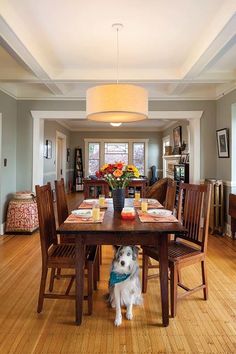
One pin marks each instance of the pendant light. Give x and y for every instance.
(117, 103)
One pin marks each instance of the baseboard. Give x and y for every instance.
(2, 228)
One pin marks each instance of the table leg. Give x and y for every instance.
(163, 264)
(79, 278)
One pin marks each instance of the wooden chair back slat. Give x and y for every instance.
(170, 195)
(158, 190)
(193, 207)
(47, 226)
(62, 208)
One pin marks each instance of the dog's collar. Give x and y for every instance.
(117, 278)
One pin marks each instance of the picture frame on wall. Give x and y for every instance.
(222, 138)
(48, 149)
(177, 137)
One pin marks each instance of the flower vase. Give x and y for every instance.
(118, 196)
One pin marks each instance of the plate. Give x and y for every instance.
(90, 201)
(85, 214)
(159, 212)
(152, 201)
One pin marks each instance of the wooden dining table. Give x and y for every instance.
(116, 231)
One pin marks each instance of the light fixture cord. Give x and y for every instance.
(118, 55)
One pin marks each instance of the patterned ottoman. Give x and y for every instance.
(22, 214)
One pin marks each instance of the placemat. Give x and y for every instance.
(145, 217)
(85, 205)
(152, 204)
(78, 219)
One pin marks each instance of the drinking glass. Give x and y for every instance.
(137, 196)
(96, 212)
(144, 205)
(101, 200)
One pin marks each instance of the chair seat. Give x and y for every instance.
(176, 251)
(64, 254)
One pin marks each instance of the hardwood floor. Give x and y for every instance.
(199, 327)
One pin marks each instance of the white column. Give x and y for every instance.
(194, 150)
(38, 146)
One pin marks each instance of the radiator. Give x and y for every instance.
(216, 221)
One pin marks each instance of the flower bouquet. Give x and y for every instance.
(118, 176)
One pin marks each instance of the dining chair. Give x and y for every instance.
(62, 214)
(189, 248)
(158, 189)
(169, 204)
(55, 255)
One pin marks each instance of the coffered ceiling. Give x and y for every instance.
(56, 49)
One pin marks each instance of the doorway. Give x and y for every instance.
(60, 156)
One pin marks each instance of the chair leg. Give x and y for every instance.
(99, 262)
(53, 271)
(42, 289)
(90, 288)
(96, 267)
(173, 289)
(179, 277)
(70, 285)
(100, 255)
(204, 279)
(58, 273)
(145, 272)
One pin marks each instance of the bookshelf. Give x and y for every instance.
(78, 171)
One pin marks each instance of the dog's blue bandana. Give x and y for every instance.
(117, 278)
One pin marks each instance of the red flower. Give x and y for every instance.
(119, 165)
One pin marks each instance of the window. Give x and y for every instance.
(129, 151)
(115, 152)
(93, 158)
(139, 156)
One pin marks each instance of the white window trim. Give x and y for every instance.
(63, 137)
(164, 140)
(102, 150)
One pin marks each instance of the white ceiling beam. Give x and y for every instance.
(222, 90)
(151, 115)
(224, 40)
(219, 46)
(18, 47)
(178, 89)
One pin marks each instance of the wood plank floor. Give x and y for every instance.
(200, 326)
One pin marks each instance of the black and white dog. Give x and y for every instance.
(124, 283)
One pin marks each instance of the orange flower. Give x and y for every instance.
(117, 173)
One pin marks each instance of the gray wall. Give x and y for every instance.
(25, 137)
(184, 124)
(154, 147)
(226, 167)
(8, 108)
(208, 127)
(49, 165)
(233, 148)
(224, 119)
